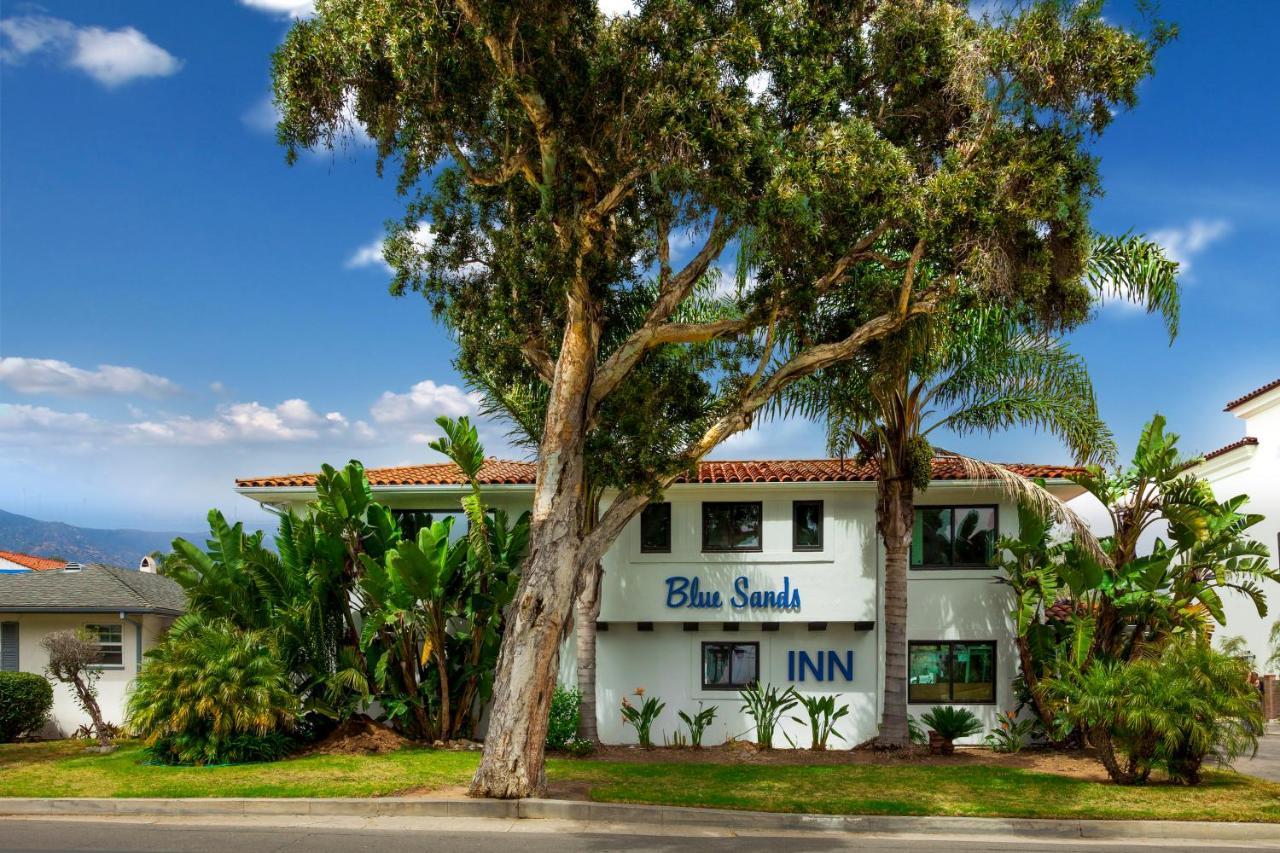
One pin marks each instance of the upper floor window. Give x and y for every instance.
(413, 520)
(806, 525)
(953, 536)
(655, 529)
(110, 642)
(732, 526)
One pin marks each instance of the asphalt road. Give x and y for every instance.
(391, 835)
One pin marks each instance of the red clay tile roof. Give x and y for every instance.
(1256, 392)
(39, 564)
(1235, 445)
(504, 472)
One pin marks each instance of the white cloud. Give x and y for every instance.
(51, 376)
(262, 116)
(19, 419)
(371, 254)
(425, 402)
(1185, 243)
(292, 420)
(1182, 244)
(283, 8)
(112, 57)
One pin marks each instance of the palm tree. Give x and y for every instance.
(970, 371)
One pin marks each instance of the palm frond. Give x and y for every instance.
(1135, 269)
(1028, 493)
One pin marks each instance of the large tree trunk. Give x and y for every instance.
(513, 761)
(895, 517)
(588, 611)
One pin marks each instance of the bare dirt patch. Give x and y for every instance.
(1079, 764)
(359, 735)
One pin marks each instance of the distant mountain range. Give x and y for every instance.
(84, 544)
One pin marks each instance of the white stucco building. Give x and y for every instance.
(770, 570)
(1251, 466)
(126, 611)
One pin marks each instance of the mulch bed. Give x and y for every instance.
(360, 735)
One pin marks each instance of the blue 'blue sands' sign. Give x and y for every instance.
(688, 592)
(819, 666)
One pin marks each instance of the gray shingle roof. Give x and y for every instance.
(94, 589)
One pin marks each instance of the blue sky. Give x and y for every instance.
(148, 224)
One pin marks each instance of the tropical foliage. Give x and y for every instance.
(823, 714)
(1190, 704)
(1093, 633)
(951, 723)
(358, 604)
(642, 717)
(697, 723)
(766, 705)
(214, 693)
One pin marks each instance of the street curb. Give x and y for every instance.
(652, 816)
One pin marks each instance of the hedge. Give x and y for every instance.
(25, 700)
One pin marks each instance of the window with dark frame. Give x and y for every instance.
(655, 529)
(109, 640)
(806, 525)
(732, 526)
(413, 520)
(947, 537)
(957, 672)
(730, 666)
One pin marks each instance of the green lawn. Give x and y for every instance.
(61, 769)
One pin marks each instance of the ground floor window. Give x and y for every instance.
(962, 672)
(110, 642)
(730, 666)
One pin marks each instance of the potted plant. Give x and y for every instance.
(946, 724)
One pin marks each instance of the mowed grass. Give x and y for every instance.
(61, 769)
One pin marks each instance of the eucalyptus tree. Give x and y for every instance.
(558, 154)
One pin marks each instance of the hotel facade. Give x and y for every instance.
(769, 571)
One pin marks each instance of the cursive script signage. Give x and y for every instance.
(688, 592)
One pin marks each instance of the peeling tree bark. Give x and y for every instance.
(513, 762)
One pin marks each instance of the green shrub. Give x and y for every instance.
(25, 700)
(1010, 734)
(213, 693)
(952, 723)
(641, 719)
(766, 705)
(566, 713)
(823, 716)
(1190, 704)
(698, 723)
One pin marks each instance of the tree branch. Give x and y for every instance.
(516, 164)
(539, 359)
(672, 293)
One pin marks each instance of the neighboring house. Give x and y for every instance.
(127, 611)
(770, 570)
(12, 561)
(1251, 466)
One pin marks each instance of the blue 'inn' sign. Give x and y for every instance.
(688, 592)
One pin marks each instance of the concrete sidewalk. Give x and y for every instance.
(651, 817)
(1266, 764)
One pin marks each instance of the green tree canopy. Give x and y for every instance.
(867, 157)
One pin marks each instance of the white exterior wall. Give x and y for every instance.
(113, 685)
(840, 585)
(1253, 470)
